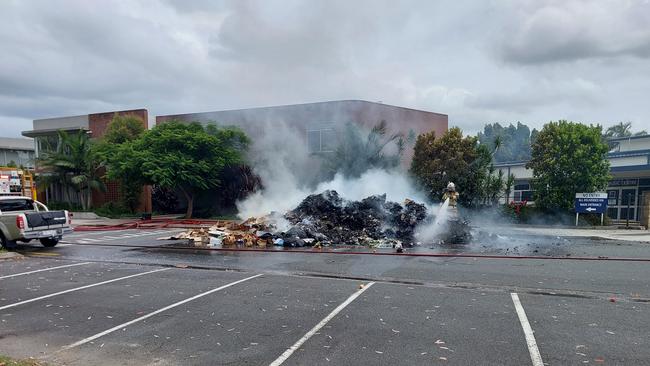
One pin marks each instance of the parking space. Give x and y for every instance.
(17, 268)
(587, 331)
(31, 284)
(420, 326)
(250, 323)
(78, 313)
(46, 325)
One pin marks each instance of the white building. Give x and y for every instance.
(629, 161)
(17, 151)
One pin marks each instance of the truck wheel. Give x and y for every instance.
(49, 242)
(7, 244)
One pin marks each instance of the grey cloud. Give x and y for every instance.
(574, 30)
(173, 56)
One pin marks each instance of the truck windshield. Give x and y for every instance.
(16, 205)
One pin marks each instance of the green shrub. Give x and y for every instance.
(113, 210)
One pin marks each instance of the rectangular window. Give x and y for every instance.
(612, 197)
(327, 140)
(624, 214)
(313, 141)
(612, 213)
(522, 187)
(628, 196)
(16, 205)
(527, 196)
(321, 140)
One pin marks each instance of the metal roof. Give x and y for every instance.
(16, 143)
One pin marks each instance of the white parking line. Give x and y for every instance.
(284, 356)
(87, 240)
(44, 269)
(79, 288)
(121, 326)
(528, 332)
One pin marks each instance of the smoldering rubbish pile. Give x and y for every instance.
(323, 219)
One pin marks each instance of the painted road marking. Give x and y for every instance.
(283, 357)
(44, 269)
(124, 325)
(528, 332)
(87, 240)
(80, 288)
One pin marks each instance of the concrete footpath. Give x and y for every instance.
(604, 233)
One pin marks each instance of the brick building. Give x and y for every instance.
(45, 134)
(320, 123)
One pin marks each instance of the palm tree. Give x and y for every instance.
(73, 164)
(359, 152)
(622, 129)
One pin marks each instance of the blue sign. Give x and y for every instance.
(591, 203)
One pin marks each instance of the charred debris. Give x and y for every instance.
(328, 219)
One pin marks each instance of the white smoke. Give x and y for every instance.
(287, 169)
(431, 230)
(282, 193)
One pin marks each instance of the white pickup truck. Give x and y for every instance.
(24, 219)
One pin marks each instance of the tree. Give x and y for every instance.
(122, 129)
(178, 156)
(508, 143)
(623, 129)
(458, 159)
(238, 180)
(438, 161)
(359, 152)
(73, 164)
(567, 158)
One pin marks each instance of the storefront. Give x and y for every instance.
(629, 160)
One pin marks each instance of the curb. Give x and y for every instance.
(10, 255)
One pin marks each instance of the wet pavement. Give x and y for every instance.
(120, 298)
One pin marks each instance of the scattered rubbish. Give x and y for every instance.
(327, 219)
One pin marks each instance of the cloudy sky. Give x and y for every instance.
(477, 61)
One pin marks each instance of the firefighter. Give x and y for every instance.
(450, 192)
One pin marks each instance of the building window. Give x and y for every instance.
(522, 192)
(47, 143)
(527, 195)
(321, 140)
(522, 187)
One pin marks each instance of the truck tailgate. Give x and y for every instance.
(49, 219)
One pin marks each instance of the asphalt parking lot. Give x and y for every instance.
(89, 313)
(118, 298)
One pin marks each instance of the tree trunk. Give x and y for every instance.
(82, 200)
(190, 203)
(89, 198)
